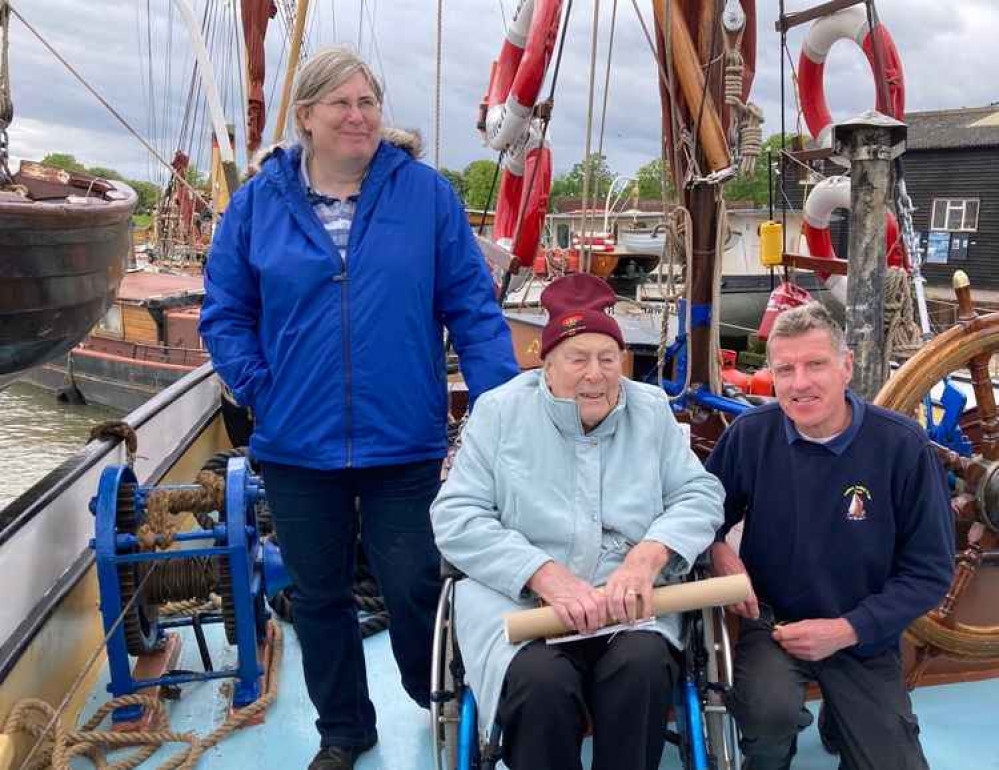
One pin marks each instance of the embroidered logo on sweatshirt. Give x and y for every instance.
(857, 508)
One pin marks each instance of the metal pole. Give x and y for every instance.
(869, 142)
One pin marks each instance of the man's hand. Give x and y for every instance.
(629, 588)
(725, 561)
(815, 639)
(578, 604)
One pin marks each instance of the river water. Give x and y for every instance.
(37, 433)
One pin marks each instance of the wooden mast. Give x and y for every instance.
(289, 78)
(690, 44)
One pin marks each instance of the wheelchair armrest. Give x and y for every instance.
(448, 570)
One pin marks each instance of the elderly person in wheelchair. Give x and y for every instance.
(575, 486)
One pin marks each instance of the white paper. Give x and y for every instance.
(617, 627)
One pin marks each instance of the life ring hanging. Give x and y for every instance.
(520, 71)
(848, 24)
(524, 189)
(827, 196)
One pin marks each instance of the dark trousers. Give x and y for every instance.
(868, 708)
(622, 685)
(315, 518)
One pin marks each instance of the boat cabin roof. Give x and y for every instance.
(141, 286)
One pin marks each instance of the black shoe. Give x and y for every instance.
(338, 757)
(827, 731)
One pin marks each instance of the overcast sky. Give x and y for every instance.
(948, 50)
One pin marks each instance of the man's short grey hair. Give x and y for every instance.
(326, 71)
(801, 320)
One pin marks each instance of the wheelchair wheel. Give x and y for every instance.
(444, 690)
(720, 728)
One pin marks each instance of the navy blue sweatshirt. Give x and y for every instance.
(858, 528)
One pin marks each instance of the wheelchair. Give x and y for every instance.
(699, 725)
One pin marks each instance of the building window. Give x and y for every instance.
(110, 324)
(955, 215)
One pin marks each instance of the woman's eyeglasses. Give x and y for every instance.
(366, 105)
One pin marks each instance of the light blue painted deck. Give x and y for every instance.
(960, 729)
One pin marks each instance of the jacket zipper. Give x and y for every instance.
(345, 326)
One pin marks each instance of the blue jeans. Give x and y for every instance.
(314, 514)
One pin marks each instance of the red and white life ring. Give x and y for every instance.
(520, 70)
(848, 24)
(523, 189)
(827, 196)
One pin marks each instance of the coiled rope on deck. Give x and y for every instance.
(58, 747)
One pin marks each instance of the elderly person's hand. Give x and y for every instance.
(632, 581)
(725, 561)
(578, 605)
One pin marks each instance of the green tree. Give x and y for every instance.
(755, 187)
(650, 179)
(105, 173)
(195, 178)
(456, 179)
(478, 180)
(601, 176)
(64, 161)
(570, 184)
(149, 195)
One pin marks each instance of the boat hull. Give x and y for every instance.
(60, 266)
(117, 382)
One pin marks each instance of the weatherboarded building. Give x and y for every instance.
(952, 172)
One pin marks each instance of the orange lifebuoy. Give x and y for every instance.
(848, 24)
(520, 70)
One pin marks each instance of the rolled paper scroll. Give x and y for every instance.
(712, 592)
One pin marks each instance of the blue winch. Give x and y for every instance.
(139, 568)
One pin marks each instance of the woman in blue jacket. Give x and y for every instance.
(330, 281)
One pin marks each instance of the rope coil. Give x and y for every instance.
(58, 749)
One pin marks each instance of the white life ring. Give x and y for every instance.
(520, 70)
(827, 196)
(848, 24)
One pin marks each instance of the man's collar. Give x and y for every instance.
(839, 444)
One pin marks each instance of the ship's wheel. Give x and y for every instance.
(957, 629)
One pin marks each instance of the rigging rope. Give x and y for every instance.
(437, 84)
(610, 53)
(104, 102)
(587, 251)
(6, 102)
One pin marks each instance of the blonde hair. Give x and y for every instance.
(809, 317)
(324, 72)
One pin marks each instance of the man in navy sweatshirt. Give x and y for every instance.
(847, 538)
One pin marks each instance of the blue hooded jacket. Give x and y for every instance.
(343, 365)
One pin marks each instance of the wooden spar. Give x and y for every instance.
(296, 48)
(207, 74)
(255, 15)
(687, 64)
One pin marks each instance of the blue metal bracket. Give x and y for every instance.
(948, 431)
